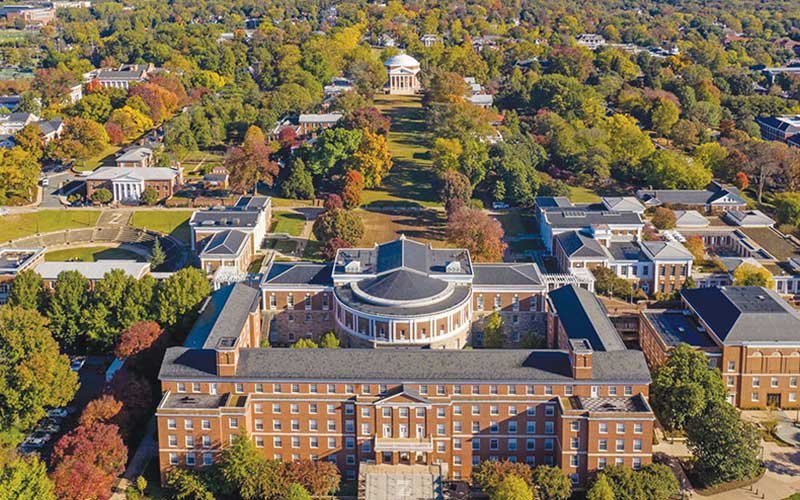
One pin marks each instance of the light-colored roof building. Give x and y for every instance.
(93, 271)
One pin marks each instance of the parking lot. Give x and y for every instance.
(59, 421)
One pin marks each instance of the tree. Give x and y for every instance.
(653, 482)
(741, 181)
(477, 232)
(551, 483)
(512, 488)
(87, 460)
(253, 476)
(663, 115)
(667, 169)
(132, 122)
(80, 140)
(296, 491)
(725, 447)
(490, 473)
(493, 336)
(318, 477)
(369, 118)
(187, 485)
(353, 186)
(600, 490)
(31, 139)
(137, 397)
(683, 386)
(341, 224)
(26, 291)
(25, 478)
(138, 301)
(787, 208)
(747, 274)
(249, 163)
(696, 247)
(157, 255)
(304, 344)
(567, 97)
(332, 246)
(149, 196)
(299, 185)
(455, 190)
(105, 409)
(67, 302)
(138, 338)
(19, 174)
(663, 218)
(179, 295)
(101, 196)
(372, 158)
(608, 283)
(329, 340)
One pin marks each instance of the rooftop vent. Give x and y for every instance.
(453, 267)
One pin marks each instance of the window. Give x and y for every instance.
(476, 427)
(603, 428)
(233, 423)
(628, 390)
(494, 428)
(365, 429)
(730, 381)
(440, 412)
(206, 441)
(568, 390)
(259, 441)
(313, 425)
(548, 390)
(530, 427)
(773, 382)
(295, 425)
(494, 410)
(493, 446)
(637, 463)
(276, 425)
(331, 442)
(548, 446)
(173, 459)
(575, 426)
(195, 387)
(403, 412)
(754, 396)
(456, 444)
(620, 428)
(512, 445)
(792, 381)
(420, 412)
(171, 424)
(276, 388)
(637, 445)
(530, 411)
(457, 428)
(530, 444)
(181, 387)
(756, 382)
(457, 410)
(172, 441)
(573, 461)
(277, 442)
(549, 411)
(331, 409)
(601, 463)
(295, 442)
(349, 443)
(549, 428)
(574, 443)
(295, 388)
(612, 391)
(440, 390)
(423, 389)
(530, 390)
(208, 459)
(331, 425)
(294, 408)
(313, 442)
(620, 445)
(259, 388)
(259, 424)
(602, 445)
(512, 427)
(331, 389)
(365, 411)
(476, 444)
(349, 409)
(238, 388)
(479, 303)
(637, 428)
(476, 410)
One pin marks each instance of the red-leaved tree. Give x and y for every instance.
(333, 201)
(353, 186)
(479, 233)
(318, 477)
(334, 244)
(115, 133)
(135, 393)
(87, 461)
(105, 410)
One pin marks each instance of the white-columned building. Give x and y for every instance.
(402, 71)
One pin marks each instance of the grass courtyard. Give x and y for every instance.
(288, 222)
(45, 221)
(411, 177)
(91, 254)
(174, 222)
(380, 227)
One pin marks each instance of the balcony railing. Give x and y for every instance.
(403, 444)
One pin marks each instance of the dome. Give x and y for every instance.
(401, 287)
(401, 60)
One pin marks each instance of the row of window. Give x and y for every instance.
(773, 381)
(439, 389)
(273, 301)
(498, 302)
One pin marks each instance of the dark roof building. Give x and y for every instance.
(714, 198)
(580, 315)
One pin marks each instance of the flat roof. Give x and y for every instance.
(13, 260)
(93, 270)
(675, 327)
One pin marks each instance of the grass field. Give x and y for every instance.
(516, 222)
(91, 254)
(96, 160)
(174, 222)
(411, 177)
(45, 221)
(288, 222)
(579, 194)
(380, 227)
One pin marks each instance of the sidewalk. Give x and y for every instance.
(147, 450)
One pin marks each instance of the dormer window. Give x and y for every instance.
(453, 267)
(353, 266)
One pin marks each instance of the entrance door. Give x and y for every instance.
(403, 430)
(420, 431)
(774, 400)
(387, 430)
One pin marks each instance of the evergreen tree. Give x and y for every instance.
(157, 256)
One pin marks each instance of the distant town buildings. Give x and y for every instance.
(305, 124)
(30, 14)
(784, 128)
(121, 77)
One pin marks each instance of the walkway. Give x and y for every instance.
(147, 450)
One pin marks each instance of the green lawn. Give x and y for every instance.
(411, 177)
(91, 254)
(579, 194)
(516, 222)
(45, 221)
(96, 160)
(288, 222)
(174, 222)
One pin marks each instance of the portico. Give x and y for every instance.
(127, 189)
(402, 71)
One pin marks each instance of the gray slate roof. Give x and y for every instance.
(253, 202)
(710, 195)
(666, 250)
(579, 218)
(507, 274)
(298, 273)
(402, 285)
(690, 218)
(228, 242)
(745, 314)
(408, 365)
(406, 253)
(583, 316)
(576, 244)
(222, 218)
(222, 317)
(626, 250)
(135, 154)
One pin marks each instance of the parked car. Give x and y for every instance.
(77, 364)
(33, 444)
(499, 205)
(37, 435)
(45, 182)
(58, 412)
(49, 428)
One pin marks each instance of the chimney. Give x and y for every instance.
(580, 357)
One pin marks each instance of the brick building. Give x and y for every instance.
(580, 408)
(401, 293)
(127, 184)
(750, 333)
